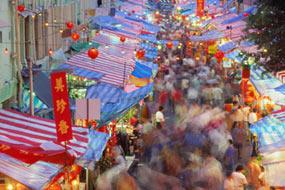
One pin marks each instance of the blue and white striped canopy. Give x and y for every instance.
(270, 131)
(260, 74)
(227, 47)
(213, 35)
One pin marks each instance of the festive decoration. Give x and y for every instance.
(50, 52)
(140, 54)
(143, 18)
(219, 55)
(200, 8)
(212, 16)
(169, 44)
(211, 43)
(246, 72)
(6, 52)
(75, 36)
(123, 39)
(21, 8)
(188, 43)
(93, 53)
(133, 11)
(129, 14)
(245, 15)
(157, 15)
(62, 113)
(69, 25)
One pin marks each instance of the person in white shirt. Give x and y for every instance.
(252, 118)
(159, 117)
(262, 180)
(229, 183)
(217, 95)
(239, 179)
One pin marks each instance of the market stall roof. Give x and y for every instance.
(240, 16)
(38, 139)
(111, 110)
(270, 131)
(280, 75)
(142, 71)
(35, 176)
(116, 69)
(213, 35)
(260, 74)
(227, 47)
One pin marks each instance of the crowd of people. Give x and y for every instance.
(193, 142)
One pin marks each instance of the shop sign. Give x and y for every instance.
(212, 49)
(200, 8)
(61, 106)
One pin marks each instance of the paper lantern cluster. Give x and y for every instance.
(75, 36)
(140, 54)
(219, 55)
(123, 39)
(21, 8)
(169, 44)
(69, 25)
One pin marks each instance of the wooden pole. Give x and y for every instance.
(30, 63)
(20, 79)
(67, 182)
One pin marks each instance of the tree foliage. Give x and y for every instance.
(266, 28)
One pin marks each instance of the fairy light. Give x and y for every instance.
(61, 31)
(46, 24)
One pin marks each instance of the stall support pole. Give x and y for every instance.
(67, 182)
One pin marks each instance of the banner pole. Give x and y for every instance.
(67, 182)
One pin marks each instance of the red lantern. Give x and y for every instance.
(189, 52)
(129, 14)
(187, 15)
(50, 52)
(143, 18)
(188, 43)
(211, 43)
(21, 8)
(140, 54)
(183, 17)
(212, 16)
(93, 53)
(69, 25)
(156, 14)
(133, 11)
(158, 57)
(169, 44)
(219, 55)
(173, 18)
(123, 39)
(172, 1)
(245, 15)
(75, 36)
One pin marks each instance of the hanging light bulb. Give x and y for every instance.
(60, 31)
(123, 51)
(46, 24)
(6, 51)
(50, 52)
(106, 46)
(33, 16)
(40, 14)
(54, 20)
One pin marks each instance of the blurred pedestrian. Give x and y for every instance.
(239, 178)
(229, 183)
(159, 117)
(229, 158)
(262, 180)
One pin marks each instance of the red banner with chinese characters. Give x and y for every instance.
(200, 8)
(61, 106)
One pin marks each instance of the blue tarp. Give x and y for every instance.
(227, 47)
(151, 28)
(213, 35)
(147, 47)
(142, 71)
(149, 37)
(260, 74)
(151, 65)
(281, 88)
(108, 20)
(164, 42)
(235, 55)
(96, 145)
(83, 72)
(111, 111)
(240, 16)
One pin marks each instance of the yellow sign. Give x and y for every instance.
(63, 127)
(212, 49)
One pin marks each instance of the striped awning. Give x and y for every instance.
(116, 69)
(280, 75)
(30, 139)
(270, 131)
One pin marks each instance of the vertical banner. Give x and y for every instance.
(200, 8)
(61, 106)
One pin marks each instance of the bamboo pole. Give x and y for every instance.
(20, 79)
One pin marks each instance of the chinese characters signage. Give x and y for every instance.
(61, 106)
(200, 8)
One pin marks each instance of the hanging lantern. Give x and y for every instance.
(97, 33)
(69, 25)
(245, 15)
(188, 43)
(245, 73)
(133, 11)
(21, 8)
(183, 17)
(123, 39)
(169, 44)
(211, 43)
(129, 14)
(140, 54)
(50, 52)
(75, 36)
(93, 53)
(143, 18)
(6, 51)
(219, 55)
(156, 15)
